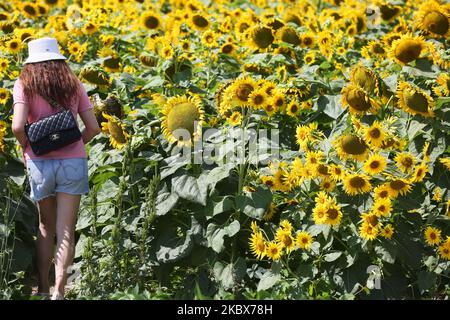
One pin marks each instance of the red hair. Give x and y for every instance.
(52, 78)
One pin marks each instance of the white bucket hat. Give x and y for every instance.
(43, 49)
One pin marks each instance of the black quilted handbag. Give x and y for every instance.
(53, 132)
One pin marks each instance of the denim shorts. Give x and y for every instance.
(49, 176)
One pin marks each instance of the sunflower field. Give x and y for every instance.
(353, 202)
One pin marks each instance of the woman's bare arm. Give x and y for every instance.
(91, 125)
(18, 123)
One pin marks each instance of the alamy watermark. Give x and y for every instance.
(230, 146)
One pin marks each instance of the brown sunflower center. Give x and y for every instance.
(407, 162)
(322, 169)
(373, 220)
(243, 91)
(2, 95)
(30, 10)
(13, 45)
(383, 194)
(151, 22)
(358, 100)
(294, 108)
(375, 164)
(377, 48)
(397, 184)
(433, 235)
(287, 240)
(415, 100)
(290, 36)
(375, 133)
(436, 22)
(353, 145)
(228, 48)
(262, 37)
(408, 50)
(199, 21)
(332, 213)
(260, 245)
(388, 12)
(307, 41)
(357, 182)
(258, 99)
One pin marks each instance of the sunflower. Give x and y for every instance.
(293, 108)
(289, 35)
(286, 225)
(376, 163)
(258, 244)
(235, 118)
(274, 250)
(407, 49)
(387, 232)
(337, 172)
(333, 213)
(118, 135)
(414, 100)
(209, 39)
(398, 186)
(445, 162)
(199, 22)
(419, 172)
(4, 95)
(182, 113)
(309, 58)
(228, 48)
(444, 250)
(285, 238)
(375, 134)
(433, 19)
(358, 101)
(356, 183)
(350, 146)
(437, 194)
(90, 28)
(270, 109)
(4, 64)
(29, 10)
(25, 34)
(13, 46)
(260, 37)
(241, 90)
(95, 76)
(270, 212)
(368, 232)
(258, 98)
(303, 240)
(150, 21)
(381, 192)
(373, 49)
(319, 214)
(365, 79)
(382, 207)
(389, 12)
(268, 181)
(443, 80)
(327, 185)
(405, 161)
(370, 218)
(432, 236)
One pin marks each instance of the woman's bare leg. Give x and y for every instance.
(67, 209)
(45, 241)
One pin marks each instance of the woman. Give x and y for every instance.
(60, 177)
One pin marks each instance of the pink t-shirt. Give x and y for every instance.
(40, 108)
